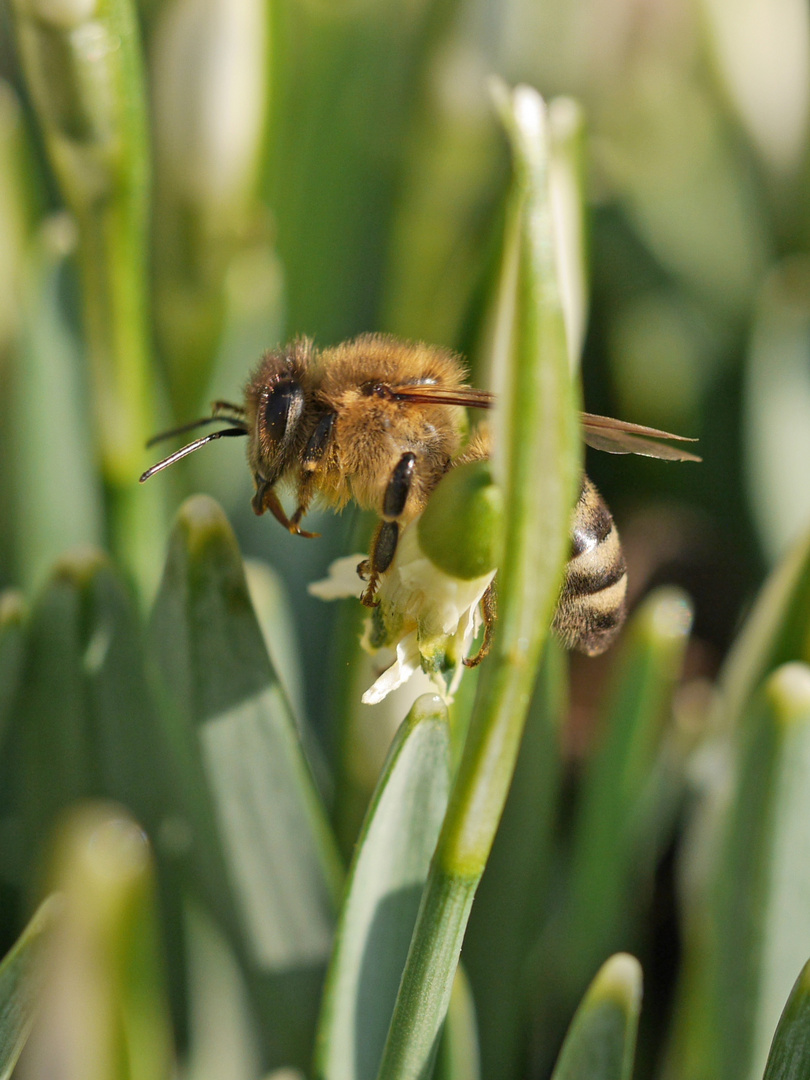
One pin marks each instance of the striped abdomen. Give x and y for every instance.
(591, 608)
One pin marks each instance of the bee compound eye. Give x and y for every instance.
(282, 409)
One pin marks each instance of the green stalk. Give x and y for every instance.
(83, 66)
(537, 465)
(210, 66)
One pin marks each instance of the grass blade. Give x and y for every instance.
(20, 986)
(264, 855)
(776, 631)
(82, 64)
(12, 613)
(776, 419)
(84, 721)
(601, 1042)
(764, 874)
(459, 1058)
(746, 940)
(50, 516)
(512, 899)
(104, 1012)
(612, 858)
(384, 889)
(789, 1058)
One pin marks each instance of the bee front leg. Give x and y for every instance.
(310, 460)
(266, 499)
(384, 544)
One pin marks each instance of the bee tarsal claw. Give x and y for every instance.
(368, 594)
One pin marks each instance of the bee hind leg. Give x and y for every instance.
(384, 544)
(489, 611)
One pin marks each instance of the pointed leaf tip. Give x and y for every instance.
(788, 690)
(204, 525)
(619, 979)
(201, 512)
(12, 608)
(80, 565)
(600, 1043)
(427, 707)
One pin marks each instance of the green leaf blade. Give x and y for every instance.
(84, 722)
(511, 903)
(12, 614)
(459, 1056)
(789, 1057)
(776, 631)
(756, 922)
(264, 856)
(104, 1012)
(600, 1044)
(384, 890)
(20, 984)
(613, 854)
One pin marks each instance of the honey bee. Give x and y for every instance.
(380, 421)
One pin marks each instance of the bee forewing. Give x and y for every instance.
(429, 394)
(619, 437)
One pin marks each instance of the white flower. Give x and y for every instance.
(429, 617)
(343, 580)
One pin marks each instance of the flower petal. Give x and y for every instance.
(407, 662)
(342, 580)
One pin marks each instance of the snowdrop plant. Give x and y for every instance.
(204, 869)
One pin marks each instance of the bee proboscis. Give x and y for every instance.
(379, 421)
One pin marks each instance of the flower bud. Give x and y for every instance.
(461, 530)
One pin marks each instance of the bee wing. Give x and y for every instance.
(619, 437)
(600, 432)
(429, 394)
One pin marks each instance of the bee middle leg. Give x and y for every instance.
(384, 543)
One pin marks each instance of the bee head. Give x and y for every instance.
(275, 405)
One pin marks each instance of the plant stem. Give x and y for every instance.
(537, 426)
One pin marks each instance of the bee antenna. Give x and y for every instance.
(190, 448)
(216, 419)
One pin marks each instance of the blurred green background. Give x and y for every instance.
(189, 182)
(326, 169)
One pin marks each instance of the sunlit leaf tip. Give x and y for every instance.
(205, 528)
(788, 691)
(80, 565)
(12, 608)
(619, 980)
(600, 1044)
